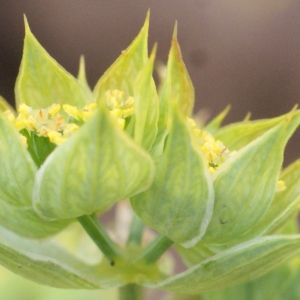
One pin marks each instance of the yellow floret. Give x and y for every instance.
(23, 121)
(92, 106)
(9, 115)
(43, 131)
(55, 137)
(88, 111)
(280, 186)
(24, 109)
(215, 152)
(127, 112)
(118, 107)
(69, 129)
(54, 109)
(72, 111)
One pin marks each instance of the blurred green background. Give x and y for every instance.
(13, 287)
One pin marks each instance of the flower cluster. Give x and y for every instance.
(50, 122)
(214, 151)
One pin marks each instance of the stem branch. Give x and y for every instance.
(130, 292)
(136, 230)
(100, 237)
(156, 249)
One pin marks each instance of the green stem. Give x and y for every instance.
(130, 292)
(156, 249)
(100, 237)
(136, 230)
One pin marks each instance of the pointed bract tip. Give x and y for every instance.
(175, 31)
(81, 61)
(147, 20)
(27, 28)
(226, 110)
(295, 107)
(81, 66)
(247, 117)
(153, 52)
(293, 110)
(175, 47)
(148, 15)
(292, 113)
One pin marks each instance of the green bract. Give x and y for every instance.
(42, 81)
(97, 166)
(218, 193)
(179, 203)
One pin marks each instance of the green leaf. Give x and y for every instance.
(97, 166)
(233, 266)
(213, 126)
(237, 135)
(145, 106)
(42, 81)
(285, 204)
(47, 263)
(180, 201)
(245, 186)
(27, 223)
(122, 73)
(4, 105)
(81, 77)
(17, 167)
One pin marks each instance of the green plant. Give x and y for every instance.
(216, 193)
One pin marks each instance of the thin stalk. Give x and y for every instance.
(130, 292)
(100, 237)
(136, 230)
(156, 249)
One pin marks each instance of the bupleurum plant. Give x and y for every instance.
(218, 195)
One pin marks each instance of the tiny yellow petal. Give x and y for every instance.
(116, 113)
(92, 106)
(69, 129)
(31, 123)
(211, 170)
(43, 131)
(54, 109)
(121, 123)
(127, 112)
(9, 116)
(21, 122)
(55, 137)
(129, 102)
(72, 111)
(24, 109)
(86, 115)
(280, 186)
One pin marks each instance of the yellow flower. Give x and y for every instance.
(215, 152)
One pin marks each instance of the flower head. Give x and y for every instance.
(218, 193)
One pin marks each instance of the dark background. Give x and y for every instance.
(245, 53)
